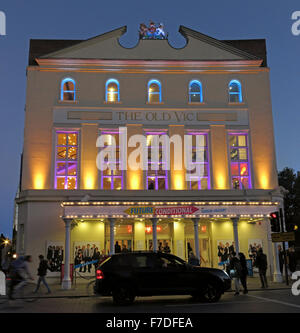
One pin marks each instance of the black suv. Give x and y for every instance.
(131, 274)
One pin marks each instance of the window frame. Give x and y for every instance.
(156, 176)
(239, 93)
(200, 93)
(194, 132)
(62, 91)
(110, 131)
(155, 81)
(238, 161)
(66, 160)
(115, 93)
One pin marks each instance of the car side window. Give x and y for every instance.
(168, 263)
(143, 262)
(122, 261)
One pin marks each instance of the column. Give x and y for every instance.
(235, 221)
(154, 233)
(139, 235)
(111, 236)
(66, 282)
(179, 240)
(196, 237)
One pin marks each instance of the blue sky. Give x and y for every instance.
(65, 19)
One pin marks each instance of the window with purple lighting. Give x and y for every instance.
(112, 178)
(197, 173)
(157, 173)
(239, 161)
(66, 158)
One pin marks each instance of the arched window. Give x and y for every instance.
(195, 92)
(154, 91)
(112, 91)
(67, 90)
(235, 92)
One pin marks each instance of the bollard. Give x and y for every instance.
(2, 284)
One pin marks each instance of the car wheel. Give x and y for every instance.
(211, 293)
(123, 296)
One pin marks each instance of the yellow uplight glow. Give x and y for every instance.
(89, 182)
(264, 183)
(221, 182)
(39, 181)
(134, 182)
(179, 182)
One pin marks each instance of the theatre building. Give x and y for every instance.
(87, 96)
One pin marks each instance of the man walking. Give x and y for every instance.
(42, 272)
(262, 264)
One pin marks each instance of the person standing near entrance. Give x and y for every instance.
(167, 248)
(280, 258)
(42, 272)
(262, 264)
(291, 259)
(87, 257)
(235, 271)
(244, 272)
(117, 247)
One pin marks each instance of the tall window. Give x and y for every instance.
(66, 160)
(112, 91)
(239, 161)
(195, 92)
(197, 174)
(112, 178)
(235, 92)
(157, 173)
(67, 90)
(154, 91)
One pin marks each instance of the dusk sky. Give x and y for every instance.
(66, 19)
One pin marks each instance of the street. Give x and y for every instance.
(265, 301)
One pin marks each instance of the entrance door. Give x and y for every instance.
(162, 243)
(203, 248)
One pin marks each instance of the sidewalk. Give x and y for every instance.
(84, 288)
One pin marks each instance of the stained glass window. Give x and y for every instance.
(197, 174)
(66, 160)
(112, 178)
(157, 173)
(239, 161)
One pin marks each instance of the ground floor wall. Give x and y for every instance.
(42, 231)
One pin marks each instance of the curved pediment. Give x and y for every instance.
(199, 47)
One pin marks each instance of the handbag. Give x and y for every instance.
(232, 273)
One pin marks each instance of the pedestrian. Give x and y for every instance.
(167, 248)
(189, 248)
(96, 256)
(244, 272)
(280, 258)
(117, 247)
(124, 249)
(235, 271)
(262, 264)
(19, 273)
(42, 272)
(193, 260)
(291, 259)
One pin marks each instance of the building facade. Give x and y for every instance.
(214, 94)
